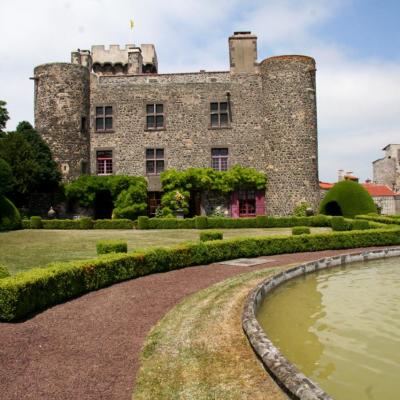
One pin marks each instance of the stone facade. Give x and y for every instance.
(272, 116)
(386, 170)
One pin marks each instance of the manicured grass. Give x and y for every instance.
(199, 351)
(22, 250)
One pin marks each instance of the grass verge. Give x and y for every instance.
(25, 249)
(199, 351)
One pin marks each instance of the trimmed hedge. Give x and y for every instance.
(379, 218)
(340, 224)
(111, 246)
(4, 272)
(113, 224)
(39, 288)
(300, 230)
(60, 223)
(9, 215)
(211, 235)
(201, 222)
(36, 223)
(86, 223)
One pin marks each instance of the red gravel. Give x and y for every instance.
(88, 348)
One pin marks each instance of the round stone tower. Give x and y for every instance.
(62, 114)
(290, 126)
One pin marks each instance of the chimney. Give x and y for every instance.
(340, 175)
(243, 52)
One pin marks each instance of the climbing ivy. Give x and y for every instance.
(207, 179)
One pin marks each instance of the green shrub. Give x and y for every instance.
(347, 198)
(359, 224)
(85, 223)
(131, 202)
(211, 235)
(340, 224)
(379, 218)
(320, 220)
(40, 288)
(113, 224)
(171, 223)
(36, 223)
(111, 246)
(301, 209)
(300, 230)
(9, 215)
(4, 272)
(200, 222)
(26, 224)
(143, 222)
(60, 223)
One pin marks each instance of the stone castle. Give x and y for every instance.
(386, 170)
(109, 111)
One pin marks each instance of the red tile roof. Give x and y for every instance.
(378, 190)
(373, 189)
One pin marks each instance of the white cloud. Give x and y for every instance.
(358, 101)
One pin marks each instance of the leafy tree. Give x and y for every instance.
(3, 115)
(6, 177)
(31, 162)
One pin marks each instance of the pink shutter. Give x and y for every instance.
(235, 205)
(260, 202)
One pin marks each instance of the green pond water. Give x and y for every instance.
(341, 328)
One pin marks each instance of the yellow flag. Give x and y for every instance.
(131, 23)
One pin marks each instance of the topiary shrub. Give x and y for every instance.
(113, 224)
(347, 198)
(111, 246)
(359, 224)
(340, 224)
(4, 272)
(36, 223)
(9, 215)
(143, 222)
(86, 223)
(200, 222)
(300, 230)
(211, 235)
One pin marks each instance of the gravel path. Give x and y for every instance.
(88, 348)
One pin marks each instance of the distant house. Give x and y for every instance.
(384, 197)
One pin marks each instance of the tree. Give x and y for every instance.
(6, 177)
(3, 115)
(31, 162)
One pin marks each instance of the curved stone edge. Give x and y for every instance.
(288, 377)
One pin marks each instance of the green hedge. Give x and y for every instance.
(9, 215)
(340, 224)
(379, 218)
(201, 222)
(211, 235)
(300, 230)
(111, 246)
(40, 288)
(113, 224)
(4, 272)
(60, 224)
(36, 223)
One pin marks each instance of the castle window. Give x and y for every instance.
(104, 118)
(219, 114)
(247, 203)
(219, 159)
(155, 116)
(83, 125)
(154, 161)
(104, 162)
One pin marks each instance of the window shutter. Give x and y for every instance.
(235, 205)
(260, 202)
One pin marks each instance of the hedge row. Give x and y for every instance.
(390, 219)
(111, 246)
(211, 235)
(40, 288)
(81, 223)
(201, 222)
(301, 230)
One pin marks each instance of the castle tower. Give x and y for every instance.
(243, 53)
(290, 125)
(62, 112)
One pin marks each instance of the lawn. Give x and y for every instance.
(22, 250)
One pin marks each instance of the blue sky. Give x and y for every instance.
(356, 45)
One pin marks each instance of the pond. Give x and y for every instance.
(341, 328)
